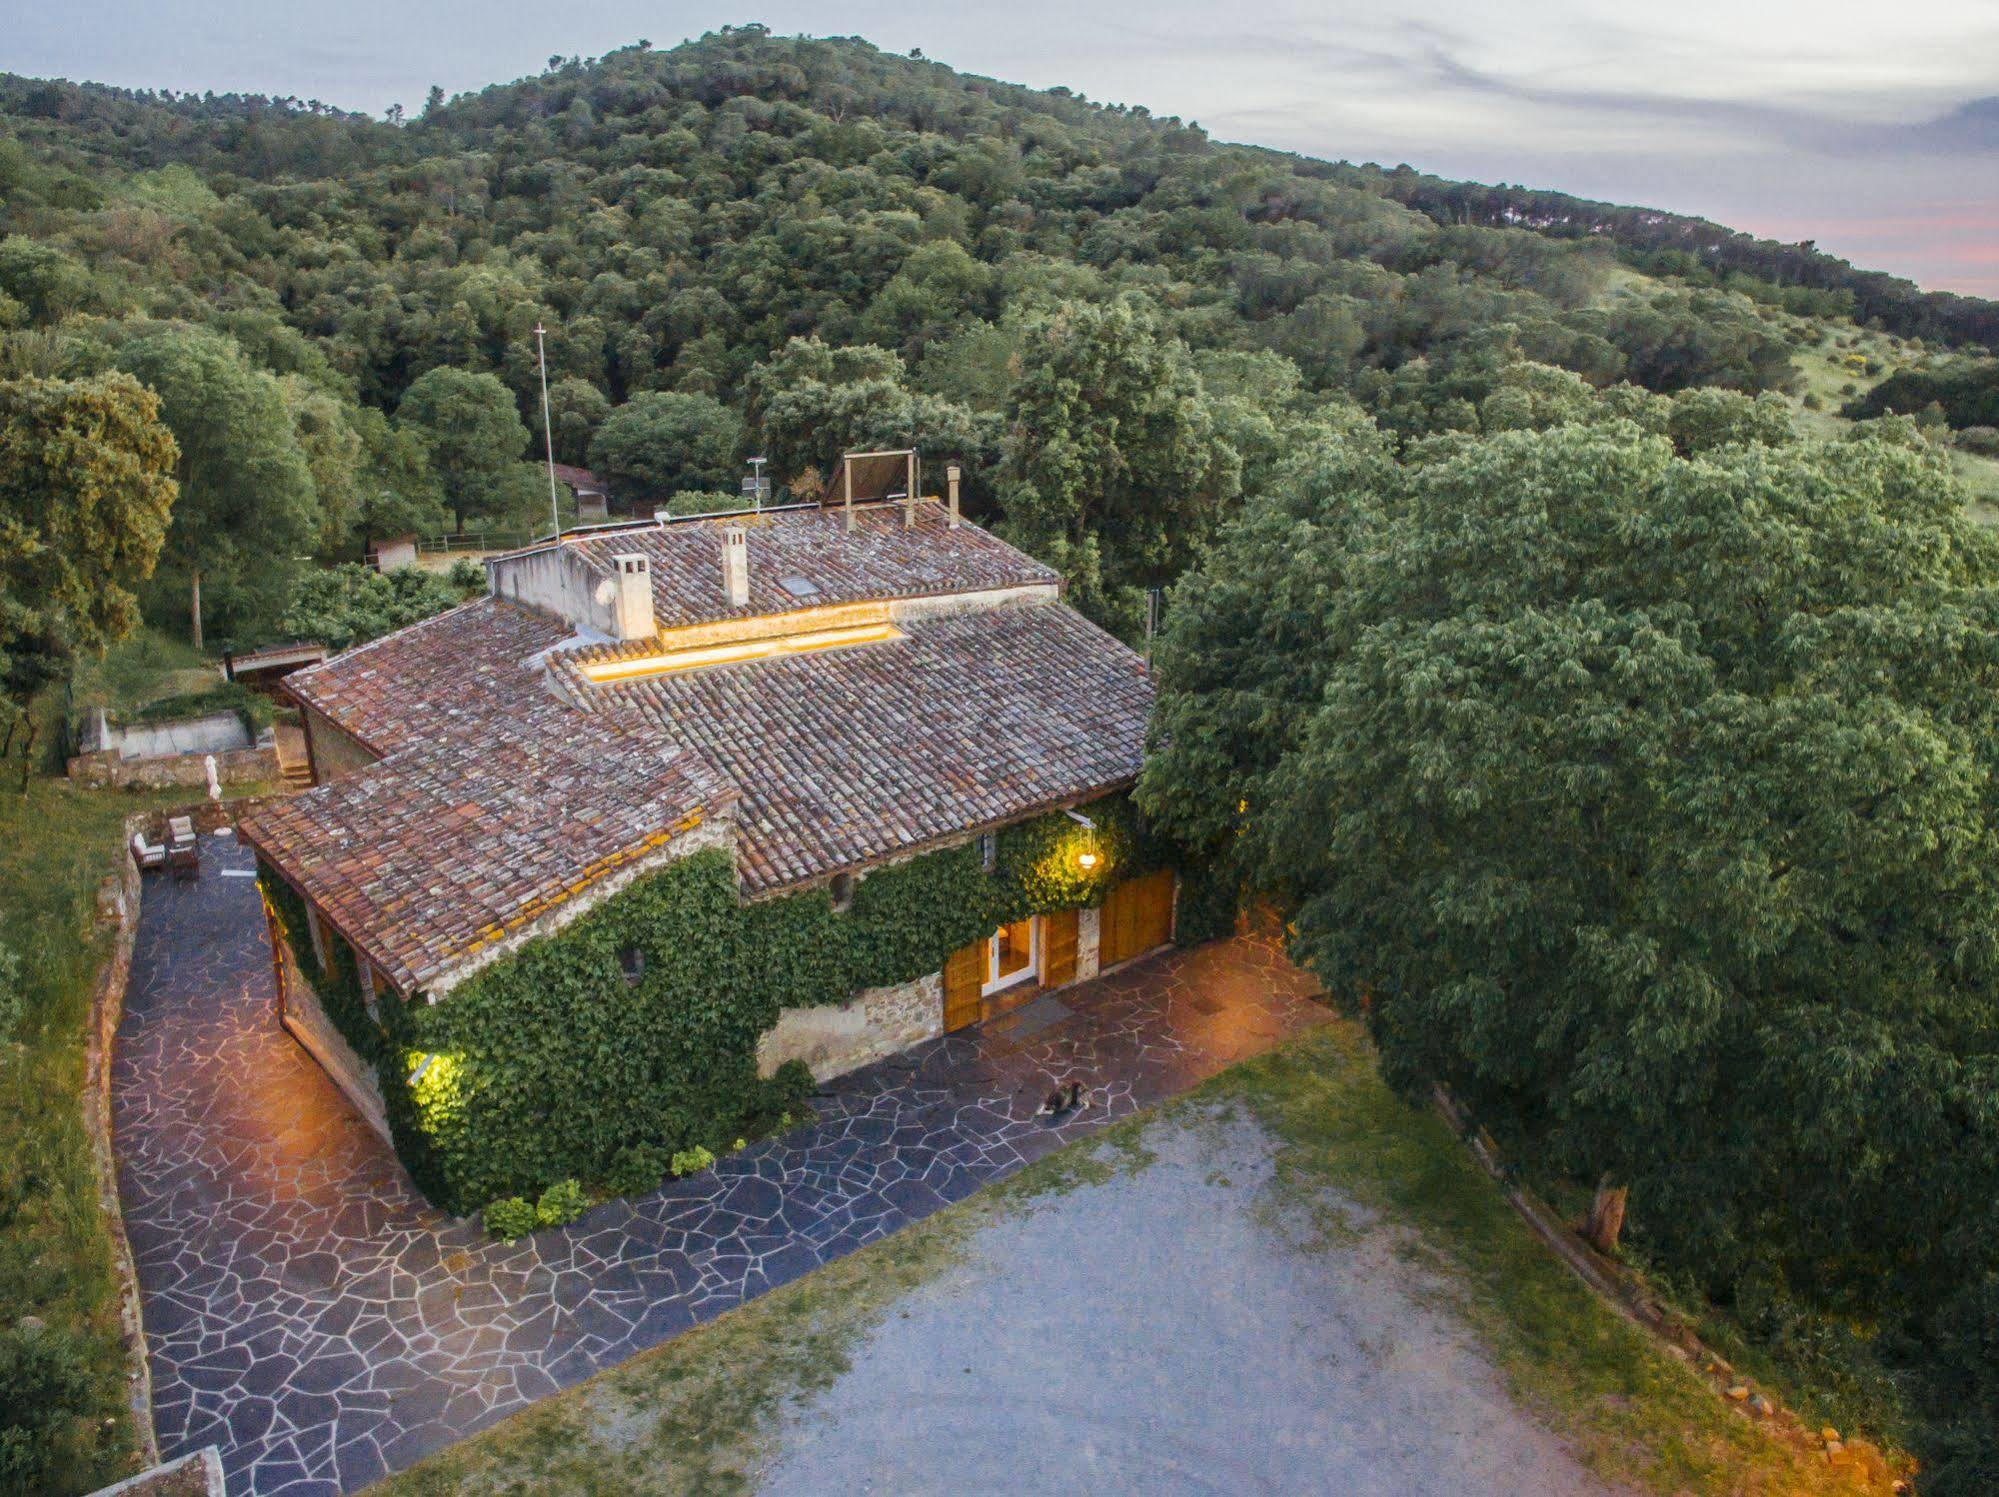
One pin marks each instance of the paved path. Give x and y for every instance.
(309, 1314)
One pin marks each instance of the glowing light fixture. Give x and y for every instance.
(1086, 860)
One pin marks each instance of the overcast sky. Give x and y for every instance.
(1871, 128)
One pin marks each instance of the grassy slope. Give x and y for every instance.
(56, 846)
(690, 1416)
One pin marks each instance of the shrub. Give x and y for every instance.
(636, 1169)
(44, 1384)
(1209, 901)
(11, 998)
(687, 1161)
(509, 1218)
(1982, 441)
(563, 1201)
(792, 1083)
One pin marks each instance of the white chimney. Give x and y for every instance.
(633, 603)
(736, 565)
(951, 483)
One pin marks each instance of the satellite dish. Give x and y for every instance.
(607, 592)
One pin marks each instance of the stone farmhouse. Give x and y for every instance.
(817, 692)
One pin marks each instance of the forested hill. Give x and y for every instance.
(680, 220)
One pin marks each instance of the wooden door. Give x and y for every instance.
(964, 975)
(1058, 948)
(1137, 917)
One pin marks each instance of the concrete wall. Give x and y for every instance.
(307, 1023)
(834, 1038)
(335, 754)
(556, 580)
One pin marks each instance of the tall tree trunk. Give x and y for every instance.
(27, 756)
(1606, 1216)
(195, 608)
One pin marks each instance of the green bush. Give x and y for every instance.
(791, 1084)
(43, 1383)
(562, 1202)
(510, 1218)
(636, 1169)
(689, 1161)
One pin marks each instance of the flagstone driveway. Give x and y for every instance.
(308, 1313)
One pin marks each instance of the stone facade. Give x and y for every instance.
(307, 1023)
(1089, 943)
(335, 754)
(837, 1038)
(106, 770)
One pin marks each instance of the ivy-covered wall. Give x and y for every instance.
(548, 1064)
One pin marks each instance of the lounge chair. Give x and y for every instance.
(147, 854)
(180, 832)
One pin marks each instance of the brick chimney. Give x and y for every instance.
(736, 565)
(633, 604)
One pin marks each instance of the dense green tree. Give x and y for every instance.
(246, 511)
(86, 487)
(1649, 804)
(1112, 468)
(576, 409)
(473, 436)
(660, 442)
(350, 604)
(398, 493)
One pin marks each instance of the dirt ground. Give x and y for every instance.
(1171, 1330)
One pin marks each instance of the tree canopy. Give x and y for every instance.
(1647, 801)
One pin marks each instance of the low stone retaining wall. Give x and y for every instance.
(195, 1475)
(106, 770)
(118, 901)
(837, 1038)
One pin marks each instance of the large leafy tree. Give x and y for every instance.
(247, 508)
(86, 487)
(661, 442)
(473, 434)
(1650, 804)
(1113, 468)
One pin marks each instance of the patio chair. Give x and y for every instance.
(180, 832)
(148, 854)
(184, 858)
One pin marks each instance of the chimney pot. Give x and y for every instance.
(736, 565)
(633, 603)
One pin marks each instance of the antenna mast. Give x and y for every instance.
(547, 433)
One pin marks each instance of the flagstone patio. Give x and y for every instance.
(309, 1314)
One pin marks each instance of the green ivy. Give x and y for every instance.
(550, 1065)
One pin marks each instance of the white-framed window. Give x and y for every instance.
(1013, 955)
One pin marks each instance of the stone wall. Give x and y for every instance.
(835, 1038)
(307, 1023)
(1089, 942)
(335, 754)
(106, 770)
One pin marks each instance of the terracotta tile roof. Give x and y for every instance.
(850, 756)
(433, 679)
(879, 559)
(429, 856)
